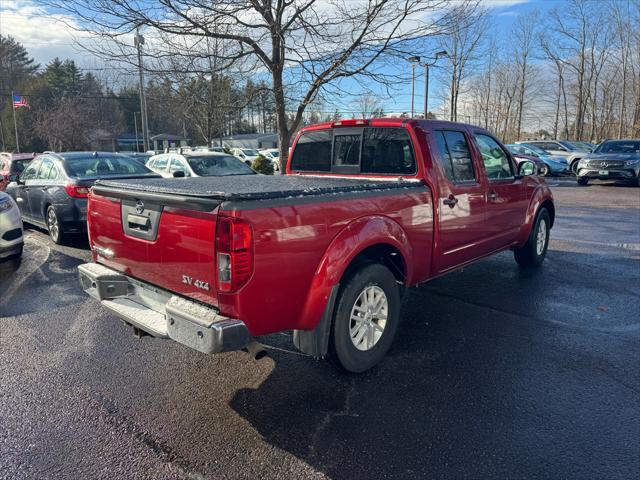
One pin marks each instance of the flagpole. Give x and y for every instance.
(4, 147)
(15, 124)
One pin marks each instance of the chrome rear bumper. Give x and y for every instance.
(162, 314)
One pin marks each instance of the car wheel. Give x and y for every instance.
(574, 167)
(544, 170)
(583, 181)
(533, 252)
(366, 318)
(53, 225)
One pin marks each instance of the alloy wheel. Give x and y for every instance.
(368, 318)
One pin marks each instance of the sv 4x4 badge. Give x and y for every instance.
(187, 280)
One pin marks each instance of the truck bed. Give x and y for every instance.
(250, 187)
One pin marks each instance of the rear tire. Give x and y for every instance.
(366, 318)
(544, 170)
(583, 181)
(532, 254)
(56, 232)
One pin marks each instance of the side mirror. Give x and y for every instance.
(178, 174)
(526, 168)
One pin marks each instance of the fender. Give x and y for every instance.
(541, 194)
(358, 235)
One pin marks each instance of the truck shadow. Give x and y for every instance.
(475, 384)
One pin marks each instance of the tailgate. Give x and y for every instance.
(167, 241)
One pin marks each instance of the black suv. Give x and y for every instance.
(611, 160)
(52, 191)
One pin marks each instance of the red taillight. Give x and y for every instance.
(234, 248)
(76, 192)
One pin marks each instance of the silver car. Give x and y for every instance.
(561, 148)
(11, 239)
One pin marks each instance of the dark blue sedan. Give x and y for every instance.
(52, 191)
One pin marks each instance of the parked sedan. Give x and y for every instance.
(561, 148)
(612, 160)
(247, 155)
(52, 191)
(10, 228)
(272, 154)
(556, 165)
(192, 163)
(12, 164)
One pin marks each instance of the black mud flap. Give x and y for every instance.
(316, 342)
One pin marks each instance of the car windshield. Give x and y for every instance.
(218, 166)
(251, 153)
(568, 145)
(536, 150)
(619, 146)
(103, 166)
(275, 154)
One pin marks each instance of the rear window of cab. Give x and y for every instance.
(384, 150)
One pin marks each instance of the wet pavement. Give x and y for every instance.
(495, 373)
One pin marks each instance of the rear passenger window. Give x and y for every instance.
(313, 152)
(45, 169)
(387, 150)
(455, 156)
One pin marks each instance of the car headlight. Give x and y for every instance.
(631, 163)
(5, 205)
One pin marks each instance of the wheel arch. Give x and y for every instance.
(367, 240)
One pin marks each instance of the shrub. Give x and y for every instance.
(262, 165)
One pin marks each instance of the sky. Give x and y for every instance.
(46, 36)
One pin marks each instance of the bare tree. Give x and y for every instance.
(462, 44)
(368, 105)
(304, 45)
(524, 38)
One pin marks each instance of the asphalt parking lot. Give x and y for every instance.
(495, 373)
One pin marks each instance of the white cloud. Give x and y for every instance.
(43, 34)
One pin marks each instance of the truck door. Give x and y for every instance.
(506, 202)
(461, 202)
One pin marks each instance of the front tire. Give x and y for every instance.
(532, 254)
(56, 232)
(574, 167)
(583, 181)
(366, 318)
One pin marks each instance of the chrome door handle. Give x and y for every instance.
(451, 201)
(492, 196)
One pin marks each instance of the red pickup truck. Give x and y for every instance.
(367, 207)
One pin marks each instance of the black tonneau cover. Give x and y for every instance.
(243, 187)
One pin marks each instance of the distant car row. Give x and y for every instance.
(247, 155)
(50, 190)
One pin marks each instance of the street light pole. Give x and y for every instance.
(413, 85)
(135, 126)
(139, 41)
(426, 90)
(416, 60)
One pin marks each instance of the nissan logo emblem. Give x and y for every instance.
(604, 164)
(139, 206)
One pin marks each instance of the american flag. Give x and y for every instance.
(19, 101)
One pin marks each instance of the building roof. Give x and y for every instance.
(167, 136)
